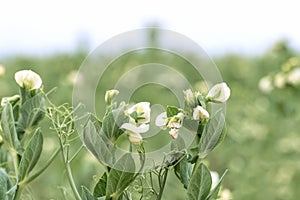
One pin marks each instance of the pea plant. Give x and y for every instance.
(128, 174)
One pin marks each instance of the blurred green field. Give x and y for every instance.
(262, 146)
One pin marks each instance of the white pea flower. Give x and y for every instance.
(142, 110)
(134, 132)
(200, 113)
(110, 94)
(176, 121)
(162, 120)
(219, 93)
(2, 70)
(5, 100)
(294, 76)
(280, 80)
(28, 79)
(214, 179)
(265, 84)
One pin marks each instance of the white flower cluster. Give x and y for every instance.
(219, 93)
(289, 75)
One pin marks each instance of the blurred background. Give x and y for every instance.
(255, 45)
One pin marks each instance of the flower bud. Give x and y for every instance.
(135, 138)
(134, 132)
(109, 95)
(294, 76)
(200, 113)
(28, 79)
(265, 84)
(12, 99)
(176, 121)
(174, 132)
(161, 121)
(189, 98)
(219, 93)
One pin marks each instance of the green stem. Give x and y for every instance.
(69, 171)
(163, 183)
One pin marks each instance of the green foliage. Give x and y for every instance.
(120, 176)
(9, 129)
(31, 154)
(200, 183)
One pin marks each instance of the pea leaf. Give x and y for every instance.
(200, 184)
(86, 195)
(9, 130)
(112, 122)
(31, 113)
(31, 155)
(172, 110)
(97, 143)
(120, 176)
(100, 187)
(213, 195)
(212, 134)
(4, 183)
(184, 170)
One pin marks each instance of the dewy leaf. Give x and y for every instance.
(86, 195)
(31, 155)
(4, 184)
(172, 111)
(100, 187)
(200, 184)
(97, 143)
(31, 112)
(8, 127)
(112, 122)
(120, 176)
(211, 134)
(213, 195)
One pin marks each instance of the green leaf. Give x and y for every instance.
(100, 187)
(184, 168)
(86, 195)
(200, 183)
(4, 184)
(112, 122)
(172, 110)
(31, 155)
(97, 143)
(213, 195)
(212, 133)
(120, 176)
(9, 130)
(31, 113)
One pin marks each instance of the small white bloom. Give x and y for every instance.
(214, 178)
(189, 97)
(294, 76)
(28, 79)
(2, 70)
(200, 113)
(5, 100)
(176, 121)
(265, 84)
(135, 138)
(134, 132)
(110, 94)
(136, 129)
(219, 93)
(143, 112)
(225, 194)
(279, 80)
(174, 132)
(162, 120)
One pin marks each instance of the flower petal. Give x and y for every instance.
(136, 129)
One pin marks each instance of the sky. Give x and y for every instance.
(219, 26)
